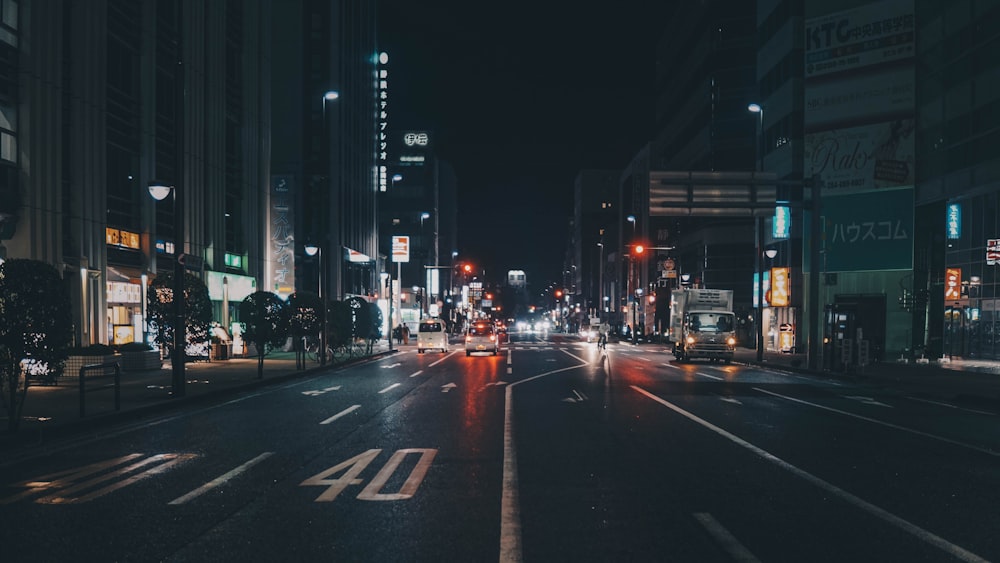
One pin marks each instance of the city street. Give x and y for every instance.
(549, 451)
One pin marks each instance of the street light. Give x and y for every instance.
(396, 178)
(160, 191)
(631, 219)
(317, 251)
(759, 165)
(600, 280)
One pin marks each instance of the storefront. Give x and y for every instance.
(125, 299)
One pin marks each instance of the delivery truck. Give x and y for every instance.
(702, 324)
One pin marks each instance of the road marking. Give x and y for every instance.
(715, 377)
(510, 501)
(730, 400)
(225, 477)
(577, 398)
(416, 373)
(344, 412)
(389, 388)
(448, 387)
(733, 547)
(867, 401)
(851, 499)
(390, 366)
(950, 406)
(432, 364)
(318, 392)
(880, 422)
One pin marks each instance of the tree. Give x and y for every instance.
(267, 320)
(340, 327)
(36, 327)
(197, 309)
(305, 318)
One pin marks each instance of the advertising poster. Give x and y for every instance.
(281, 236)
(864, 158)
(868, 231)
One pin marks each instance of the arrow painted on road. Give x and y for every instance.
(448, 387)
(577, 398)
(730, 400)
(867, 401)
(390, 366)
(493, 384)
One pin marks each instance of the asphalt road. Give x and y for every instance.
(549, 451)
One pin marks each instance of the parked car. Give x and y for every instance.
(482, 337)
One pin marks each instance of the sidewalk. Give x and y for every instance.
(53, 411)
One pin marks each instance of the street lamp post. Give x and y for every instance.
(317, 251)
(759, 165)
(160, 191)
(600, 280)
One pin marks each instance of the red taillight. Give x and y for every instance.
(468, 338)
(492, 338)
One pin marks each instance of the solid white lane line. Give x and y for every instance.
(390, 388)
(416, 373)
(733, 547)
(881, 422)
(442, 359)
(857, 502)
(951, 406)
(715, 377)
(510, 500)
(344, 412)
(221, 479)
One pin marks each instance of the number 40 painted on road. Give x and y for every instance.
(354, 466)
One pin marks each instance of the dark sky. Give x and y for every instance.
(520, 97)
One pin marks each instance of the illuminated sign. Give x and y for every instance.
(357, 257)
(992, 252)
(122, 238)
(954, 221)
(952, 283)
(400, 248)
(164, 247)
(281, 237)
(123, 292)
(407, 158)
(239, 287)
(779, 292)
(782, 224)
(234, 260)
(418, 138)
(382, 79)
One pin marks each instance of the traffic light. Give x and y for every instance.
(558, 293)
(639, 249)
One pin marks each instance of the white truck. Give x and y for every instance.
(702, 324)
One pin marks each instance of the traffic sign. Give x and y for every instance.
(400, 248)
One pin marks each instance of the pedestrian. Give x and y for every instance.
(406, 334)
(397, 333)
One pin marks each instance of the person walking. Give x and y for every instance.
(602, 334)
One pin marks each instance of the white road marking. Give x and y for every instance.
(730, 400)
(733, 547)
(857, 502)
(715, 377)
(867, 401)
(318, 392)
(950, 406)
(448, 387)
(389, 388)
(344, 412)
(432, 364)
(416, 373)
(510, 502)
(390, 366)
(880, 422)
(225, 477)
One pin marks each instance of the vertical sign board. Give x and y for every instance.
(992, 252)
(401, 248)
(953, 221)
(952, 284)
(781, 226)
(281, 236)
(779, 292)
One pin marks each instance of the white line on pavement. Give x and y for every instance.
(950, 406)
(416, 373)
(390, 388)
(733, 547)
(886, 516)
(221, 479)
(344, 412)
(715, 377)
(442, 359)
(880, 422)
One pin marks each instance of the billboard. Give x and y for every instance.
(868, 231)
(281, 236)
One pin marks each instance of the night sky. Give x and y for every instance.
(520, 97)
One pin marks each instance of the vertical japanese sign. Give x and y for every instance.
(952, 284)
(779, 292)
(953, 221)
(281, 236)
(781, 227)
(382, 111)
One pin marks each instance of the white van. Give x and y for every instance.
(432, 334)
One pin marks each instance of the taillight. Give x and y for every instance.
(492, 338)
(468, 338)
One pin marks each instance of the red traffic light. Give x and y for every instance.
(639, 249)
